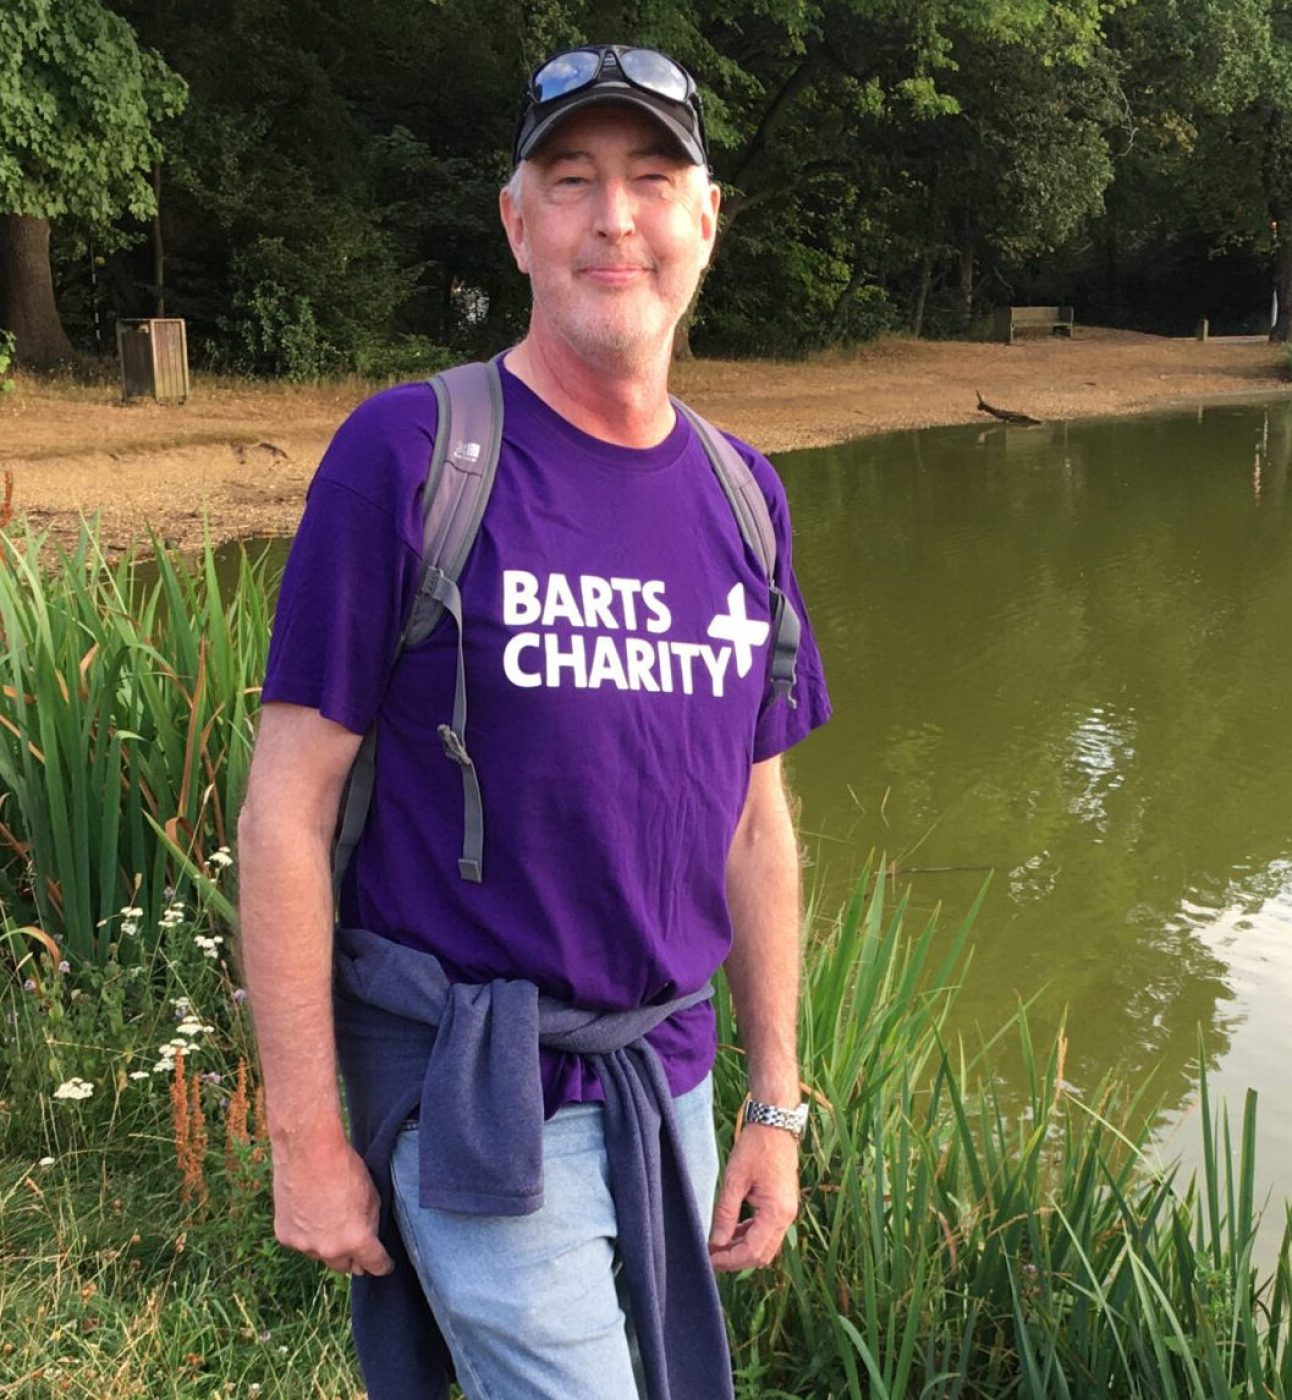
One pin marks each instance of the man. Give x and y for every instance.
(616, 642)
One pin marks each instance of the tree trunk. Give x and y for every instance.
(839, 311)
(682, 331)
(159, 248)
(966, 284)
(1282, 328)
(922, 296)
(27, 305)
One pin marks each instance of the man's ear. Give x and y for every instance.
(709, 204)
(513, 223)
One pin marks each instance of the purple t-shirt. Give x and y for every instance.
(617, 660)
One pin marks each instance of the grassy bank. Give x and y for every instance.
(947, 1245)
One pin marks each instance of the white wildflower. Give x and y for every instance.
(74, 1089)
(221, 858)
(132, 911)
(191, 1025)
(139, 1074)
(129, 927)
(45, 1162)
(182, 1006)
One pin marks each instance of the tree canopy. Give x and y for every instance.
(328, 194)
(78, 103)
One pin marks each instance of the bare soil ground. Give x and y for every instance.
(242, 454)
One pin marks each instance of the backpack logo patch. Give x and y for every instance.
(467, 452)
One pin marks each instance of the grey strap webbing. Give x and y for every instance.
(749, 506)
(464, 460)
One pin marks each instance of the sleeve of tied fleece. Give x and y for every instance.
(355, 563)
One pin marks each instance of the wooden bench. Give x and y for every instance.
(1056, 320)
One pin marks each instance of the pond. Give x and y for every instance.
(1059, 657)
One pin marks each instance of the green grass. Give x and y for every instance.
(96, 1307)
(111, 1285)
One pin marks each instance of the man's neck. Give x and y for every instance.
(626, 404)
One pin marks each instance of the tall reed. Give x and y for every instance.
(126, 706)
(950, 1246)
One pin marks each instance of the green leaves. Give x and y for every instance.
(78, 102)
(6, 360)
(125, 717)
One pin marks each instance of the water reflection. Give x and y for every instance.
(1062, 652)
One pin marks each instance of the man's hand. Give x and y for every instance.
(326, 1206)
(763, 1173)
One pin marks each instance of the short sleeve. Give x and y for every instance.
(780, 724)
(355, 563)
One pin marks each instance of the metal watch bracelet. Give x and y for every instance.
(767, 1115)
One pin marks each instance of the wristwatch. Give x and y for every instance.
(793, 1120)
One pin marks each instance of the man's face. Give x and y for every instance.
(613, 226)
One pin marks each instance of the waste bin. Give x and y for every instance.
(154, 359)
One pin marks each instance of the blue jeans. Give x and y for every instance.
(529, 1305)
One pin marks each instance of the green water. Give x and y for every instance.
(1062, 654)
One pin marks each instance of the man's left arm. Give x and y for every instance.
(763, 974)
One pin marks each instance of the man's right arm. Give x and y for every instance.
(325, 1204)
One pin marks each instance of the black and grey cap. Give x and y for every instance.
(604, 73)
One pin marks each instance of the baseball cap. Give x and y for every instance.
(646, 79)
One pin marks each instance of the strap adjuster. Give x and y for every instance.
(454, 747)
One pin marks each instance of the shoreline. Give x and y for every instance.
(240, 454)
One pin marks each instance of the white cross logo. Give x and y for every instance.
(735, 626)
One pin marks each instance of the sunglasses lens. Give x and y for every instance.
(566, 73)
(654, 72)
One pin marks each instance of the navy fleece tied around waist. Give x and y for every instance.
(467, 1057)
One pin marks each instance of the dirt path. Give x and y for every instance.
(245, 454)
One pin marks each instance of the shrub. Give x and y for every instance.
(7, 346)
(406, 357)
(275, 332)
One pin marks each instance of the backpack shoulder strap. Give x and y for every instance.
(754, 520)
(464, 461)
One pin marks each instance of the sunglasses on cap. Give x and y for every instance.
(643, 78)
